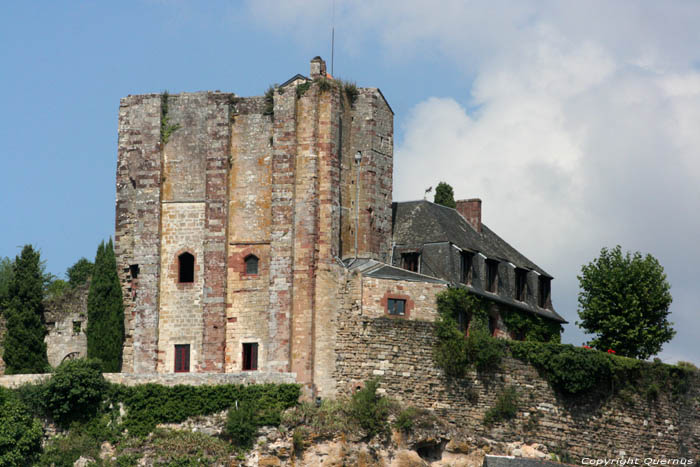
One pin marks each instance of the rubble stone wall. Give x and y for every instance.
(400, 352)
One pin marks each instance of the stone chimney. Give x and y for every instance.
(470, 209)
(318, 67)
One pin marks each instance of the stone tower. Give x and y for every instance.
(257, 200)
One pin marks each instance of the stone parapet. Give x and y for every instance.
(168, 379)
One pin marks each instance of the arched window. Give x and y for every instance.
(185, 267)
(251, 264)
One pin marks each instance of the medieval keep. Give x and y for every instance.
(247, 229)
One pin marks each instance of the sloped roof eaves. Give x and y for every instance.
(393, 273)
(550, 314)
(294, 78)
(373, 268)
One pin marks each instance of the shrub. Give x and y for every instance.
(529, 327)
(484, 351)
(506, 407)
(242, 424)
(269, 101)
(351, 91)
(369, 409)
(75, 391)
(298, 441)
(150, 404)
(451, 349)
(406, 419)
(324, 84)
(20, 433)
(302, 88)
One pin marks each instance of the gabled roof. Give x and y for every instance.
(421, 222)
(373, 268)
(294, 78)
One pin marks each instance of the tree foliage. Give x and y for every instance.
(624, 300)
(444, 195)
(80, 272)
(24, 347)
(75, 391)
(20, 433)
(6, 273)
(105, 329)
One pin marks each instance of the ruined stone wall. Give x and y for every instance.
(400, 353)
(66, 323)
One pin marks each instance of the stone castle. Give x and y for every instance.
(245, 227)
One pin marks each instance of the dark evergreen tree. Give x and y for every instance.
(24, 347)
(105, 329)
(444, 194)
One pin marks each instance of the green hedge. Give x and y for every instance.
(150, 404)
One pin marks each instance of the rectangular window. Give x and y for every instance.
(77, 326)
(467, 260)
(396, 306)
(520, 284)
(410, 261)
(491, 275)
(182, 358)
(250, 356)
(545, 289)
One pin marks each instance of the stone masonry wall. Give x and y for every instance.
(167, 379)
(420, 298)
(400, 353)
(137, 231)
(66, 323)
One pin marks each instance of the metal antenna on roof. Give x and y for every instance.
(425, 196)
(333, 40)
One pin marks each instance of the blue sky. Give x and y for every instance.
(575, 122)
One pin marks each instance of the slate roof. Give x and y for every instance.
(421, 222)
(294, 78)
(373, 268)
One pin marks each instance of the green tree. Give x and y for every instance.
(24, 347)
(80, 272)
(6, 273)
(105, 329)
(20, 433)
(444, 194)
(624, 300)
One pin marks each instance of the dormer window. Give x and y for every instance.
(251, 265)
(185, 267)
(491, 275)
(410, 261)
(466, 267)
(520, 284)
(545, 285)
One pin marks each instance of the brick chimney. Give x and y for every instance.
(470, 209)
(318, 67)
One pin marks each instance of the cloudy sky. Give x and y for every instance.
(577, 123)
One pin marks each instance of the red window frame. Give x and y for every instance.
(182, 358)
(250, 356)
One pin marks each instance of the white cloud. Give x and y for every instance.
(584, 133)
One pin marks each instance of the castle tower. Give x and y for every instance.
(230, 209)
